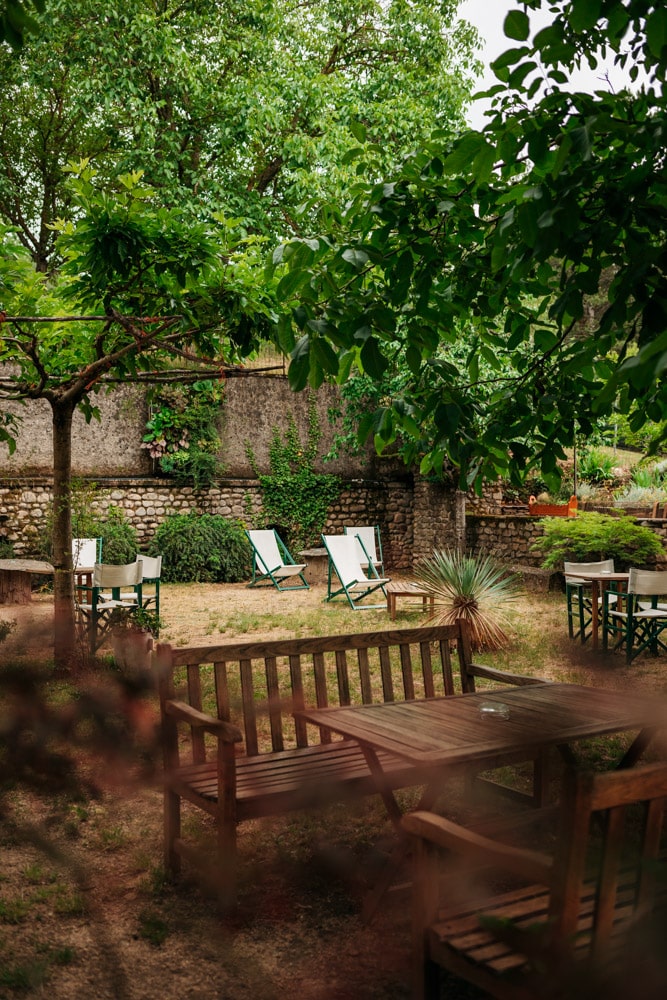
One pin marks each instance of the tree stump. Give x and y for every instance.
(16, 579)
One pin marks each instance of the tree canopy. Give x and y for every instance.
(544, 232)
(248, 109)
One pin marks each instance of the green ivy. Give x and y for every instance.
(182, 432)
(294, 496)
(201, 548)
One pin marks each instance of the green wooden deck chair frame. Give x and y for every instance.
(272, 563)
(578, 596)
(370, 544)
(345, 564)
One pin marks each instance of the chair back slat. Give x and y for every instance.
(406, 671)
(342, 551)
(601, 566)
(367, 535)
(274, 703)
(647, 582)
(364, 676)
(248, 701)
(298, 700)
(385, 672)
(427, 669)
(342, 677)
(195, 699)
(222, 690)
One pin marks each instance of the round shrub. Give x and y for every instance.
(202, 548)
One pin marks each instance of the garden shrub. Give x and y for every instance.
(119, 538)
(202, 548)
(589, 537)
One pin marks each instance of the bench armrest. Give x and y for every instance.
(478, 670)
(532, 865)
(182, 712)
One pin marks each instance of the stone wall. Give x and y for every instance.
(24, 503)
(252, 409)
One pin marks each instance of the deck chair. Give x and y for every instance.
(95, 613)
(85, 553)
(272, 564)
(639, 626)
(578, 597)
(584, 919)
(345, 563)
(370, 545)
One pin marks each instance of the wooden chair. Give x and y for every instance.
(272, 563)
(570, 923)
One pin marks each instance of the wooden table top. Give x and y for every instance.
(453, 730)
(26, 566)
(598, 577)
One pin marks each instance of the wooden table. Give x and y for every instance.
(406, 588)
(595, 579)
(442, 734)
(16, 579)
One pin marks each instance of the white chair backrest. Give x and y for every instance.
(342, 550)
(127, 575)
(648, 582)
(152, 566)
(267, 553)
(84, 552)
(367, 535)
(602, 566)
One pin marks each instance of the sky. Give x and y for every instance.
(488, 16)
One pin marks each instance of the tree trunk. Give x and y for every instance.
(460, 521)
(63, 581)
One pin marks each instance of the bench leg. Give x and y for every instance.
(172, 831)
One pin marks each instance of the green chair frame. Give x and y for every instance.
(639, 628)
(578, 596)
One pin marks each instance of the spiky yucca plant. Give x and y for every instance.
(472, 587)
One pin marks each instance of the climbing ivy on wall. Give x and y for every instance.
(294, 496)
(182, 431)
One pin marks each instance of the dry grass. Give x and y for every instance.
(85, 909)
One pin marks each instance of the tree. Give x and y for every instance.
(244, 108)
(17, 20)
(144, 290)
(516, 229)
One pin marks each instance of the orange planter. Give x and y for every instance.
(568, 509)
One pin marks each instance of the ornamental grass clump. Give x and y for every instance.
(472, 587)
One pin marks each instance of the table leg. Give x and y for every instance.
(595, 617)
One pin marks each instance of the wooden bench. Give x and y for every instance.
(234, 748)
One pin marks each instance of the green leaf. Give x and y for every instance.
(656, 31)
(517, 25)
(372, 358)
(584, 14)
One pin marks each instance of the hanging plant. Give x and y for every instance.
(182, 431)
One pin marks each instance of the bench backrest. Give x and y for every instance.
(258, 685)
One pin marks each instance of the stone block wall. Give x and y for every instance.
(24, 504)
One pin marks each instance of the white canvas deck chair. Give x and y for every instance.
(139, 595)
(369, 547)
(344, 562)
(272, 564)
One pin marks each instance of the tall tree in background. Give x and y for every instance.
(547, 231)
(245, 108)
(151, 291)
